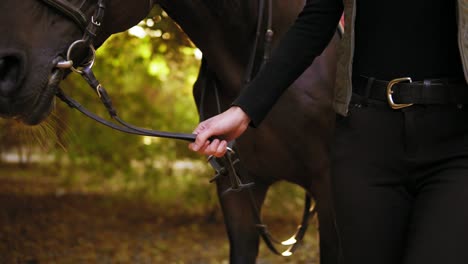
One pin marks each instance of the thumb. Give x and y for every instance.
(203, 132)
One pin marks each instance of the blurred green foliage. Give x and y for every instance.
(148, 71)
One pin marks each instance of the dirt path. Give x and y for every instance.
(42, 223)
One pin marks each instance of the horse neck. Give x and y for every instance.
(224, 50)
(118, 18)
(226, 40)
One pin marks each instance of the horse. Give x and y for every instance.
(32, 52)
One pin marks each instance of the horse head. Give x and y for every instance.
(36, 35)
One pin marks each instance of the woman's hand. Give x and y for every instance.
(224, 127)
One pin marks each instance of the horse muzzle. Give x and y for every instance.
(12, 72)
(26, 96)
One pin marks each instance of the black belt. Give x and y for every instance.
(401, 92)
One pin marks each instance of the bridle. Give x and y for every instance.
(91, 28)
(229, 164)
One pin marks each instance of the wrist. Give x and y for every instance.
(245, 119)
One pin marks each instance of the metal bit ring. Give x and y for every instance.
(88, 64)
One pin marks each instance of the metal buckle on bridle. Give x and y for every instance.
(85, 69)
(95, 22)
(225, 166)
(390, 85)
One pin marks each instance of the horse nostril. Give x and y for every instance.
(10, 74)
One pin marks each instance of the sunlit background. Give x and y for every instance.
(71, 172)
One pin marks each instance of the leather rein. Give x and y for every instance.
(229, 165)
(91, 29)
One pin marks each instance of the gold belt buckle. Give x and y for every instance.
(392, 104)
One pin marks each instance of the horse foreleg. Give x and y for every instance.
(240, 222)
(330, 252)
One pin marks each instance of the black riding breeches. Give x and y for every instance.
(400, 184)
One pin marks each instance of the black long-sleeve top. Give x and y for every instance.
(396, 38)
(304, 41)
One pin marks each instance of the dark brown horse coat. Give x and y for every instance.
(291, 144)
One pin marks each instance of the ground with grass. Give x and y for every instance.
(43, 220)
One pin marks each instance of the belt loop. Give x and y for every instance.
(367, 92)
